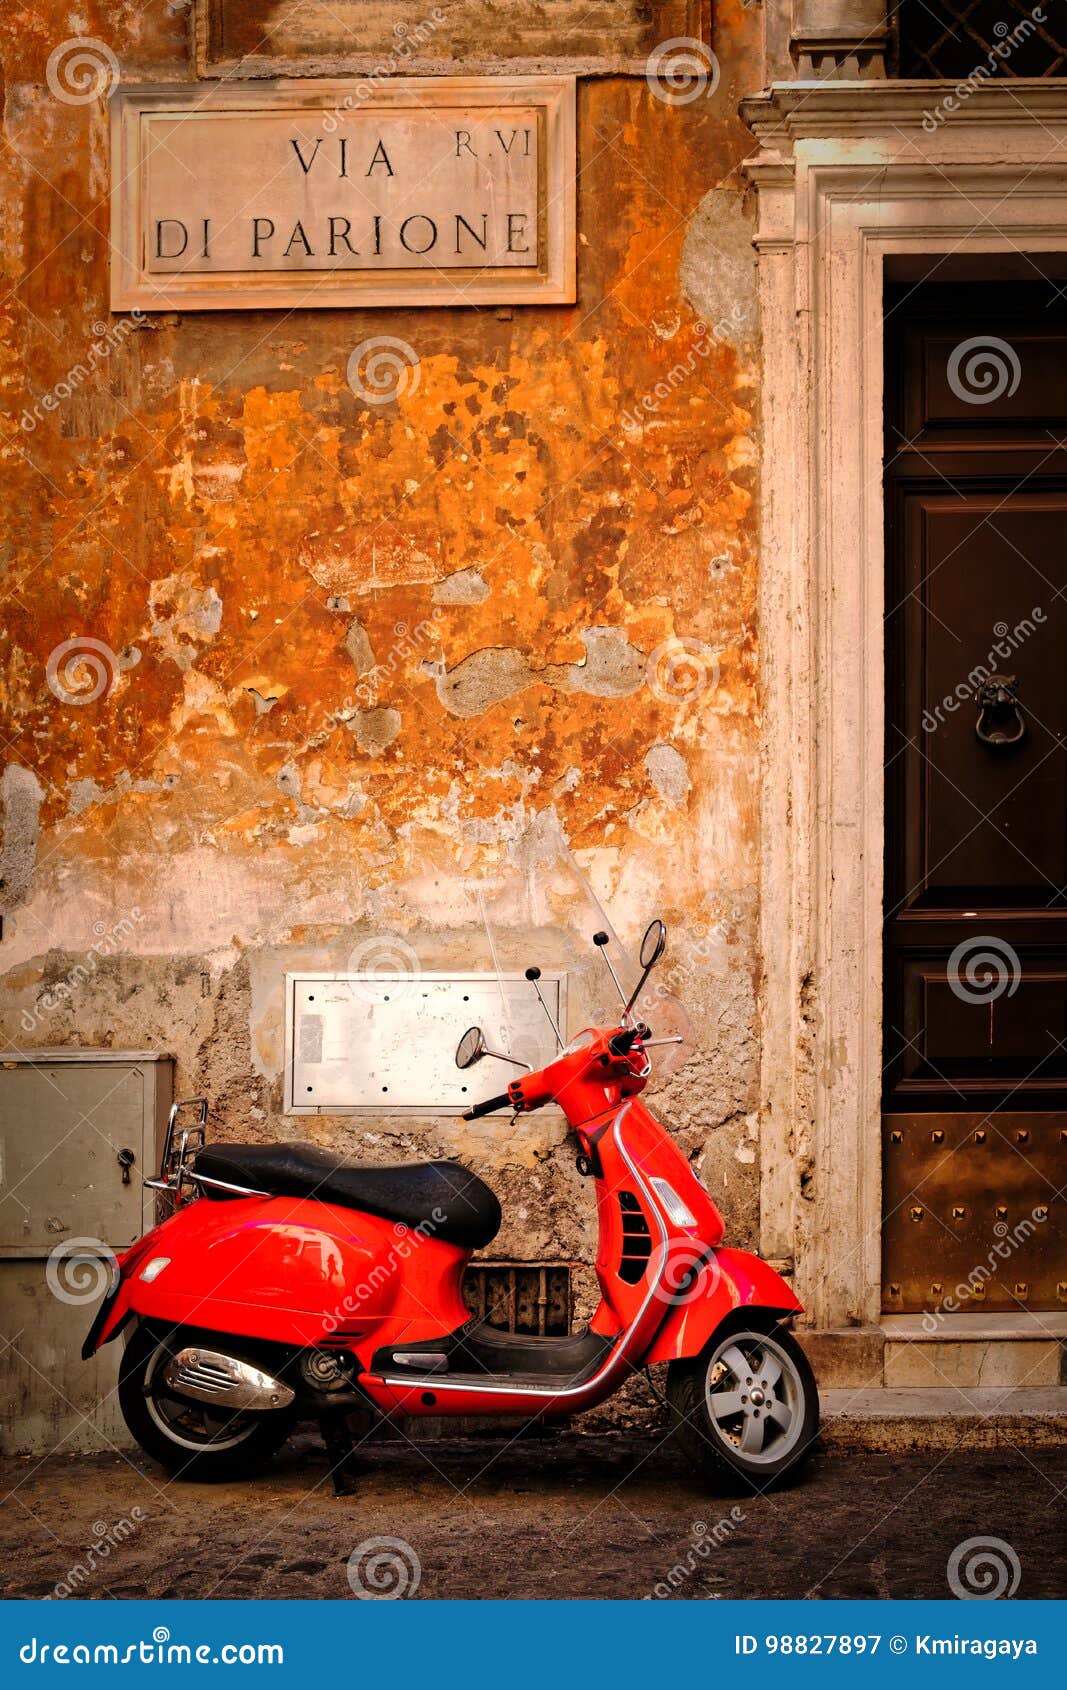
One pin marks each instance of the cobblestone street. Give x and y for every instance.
(565, 1517)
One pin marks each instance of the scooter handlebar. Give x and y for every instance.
(532, 1091)
(621, 1044)
(490, 1105)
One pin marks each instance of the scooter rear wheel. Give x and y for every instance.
(192, 1440)
(746, 1410)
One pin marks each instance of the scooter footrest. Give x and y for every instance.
(420, 1361)
(487, 1381)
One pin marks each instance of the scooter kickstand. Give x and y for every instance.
(340, 1452)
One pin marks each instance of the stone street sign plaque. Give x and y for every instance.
(415, 191)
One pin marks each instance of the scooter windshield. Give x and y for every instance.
(544, 913)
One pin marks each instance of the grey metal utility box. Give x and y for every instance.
(65, 1117)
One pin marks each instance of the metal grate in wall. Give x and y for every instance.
(983, 40)
(531, 1298)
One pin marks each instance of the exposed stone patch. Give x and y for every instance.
(86, 792)
(668, 772)
(359, 648)
(287, 780)
(264, 704)
(140, 1002)
(203, 699)
(718, 272)
(483, 679)
(366, 560)
(612, 668)
(466, 586)
(184, 615)
(374, 730)
(20, 807)
(302, 833)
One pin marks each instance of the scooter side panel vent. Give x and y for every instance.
(636, 1239)
(532, 1299)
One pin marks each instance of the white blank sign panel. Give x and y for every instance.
(386, 1043)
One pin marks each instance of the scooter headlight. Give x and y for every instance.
(154, 1268)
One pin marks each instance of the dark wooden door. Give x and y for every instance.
(975, 1015)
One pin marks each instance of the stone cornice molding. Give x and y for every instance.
(788, 112)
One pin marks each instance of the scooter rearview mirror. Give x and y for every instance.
(653, 946)
(471, 1048)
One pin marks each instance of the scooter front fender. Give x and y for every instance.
(731, 1279)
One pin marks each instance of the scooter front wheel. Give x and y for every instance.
(746, 1410)
(193, 1440)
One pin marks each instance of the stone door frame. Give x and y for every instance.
(847, 176)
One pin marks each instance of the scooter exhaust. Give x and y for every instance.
(210, 1376)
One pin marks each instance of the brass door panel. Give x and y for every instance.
(975, 1217)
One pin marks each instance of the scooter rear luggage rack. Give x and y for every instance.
(179, 1146)
(224, 1185)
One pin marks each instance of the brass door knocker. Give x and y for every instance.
(1000, 721)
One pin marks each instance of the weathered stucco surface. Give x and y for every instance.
(353, 653)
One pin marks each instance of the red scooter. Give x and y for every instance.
(288, 1285)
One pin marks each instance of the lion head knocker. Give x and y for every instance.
(1000, 718)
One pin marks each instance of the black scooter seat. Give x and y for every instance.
(443, 1198)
